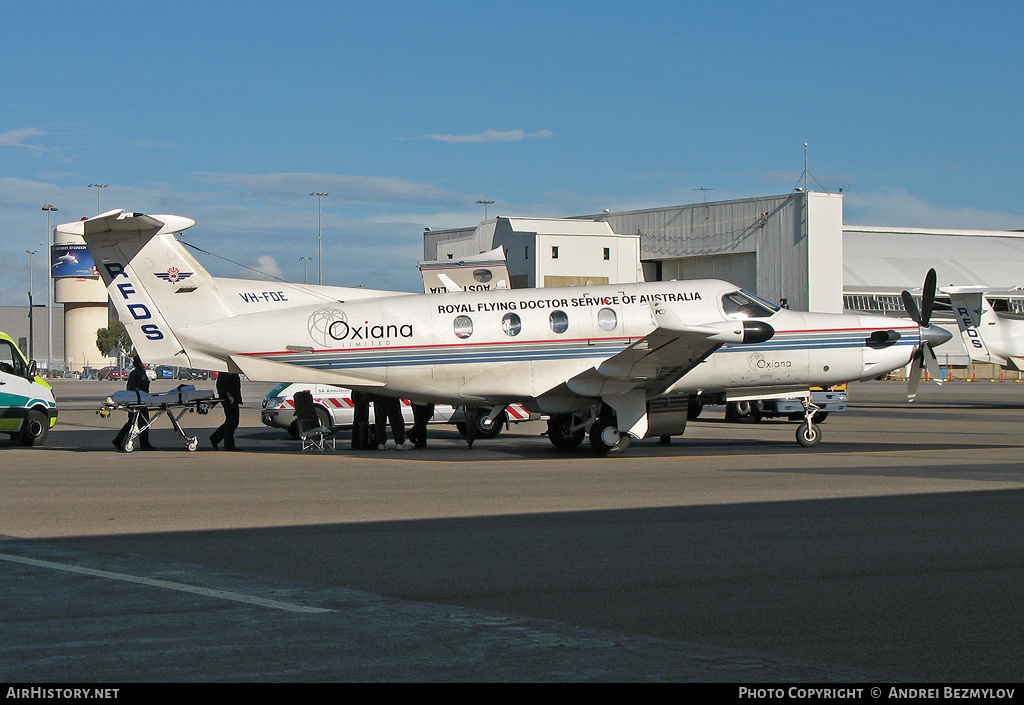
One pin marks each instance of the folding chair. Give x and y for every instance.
(314, 435)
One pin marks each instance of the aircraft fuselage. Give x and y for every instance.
(524, 344)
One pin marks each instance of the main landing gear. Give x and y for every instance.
(567, 431)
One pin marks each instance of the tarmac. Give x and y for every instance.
(892, 552)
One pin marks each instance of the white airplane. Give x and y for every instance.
(66, 258)
(603, 359)
(991, 333)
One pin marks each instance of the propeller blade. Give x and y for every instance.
(915, 378)
(911, 306)
(928, 297)
(931, 363)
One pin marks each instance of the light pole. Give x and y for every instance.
(320, 231)
(49, 293)
(305, 265)
(485, 204)
(97, 187)
(31, 306)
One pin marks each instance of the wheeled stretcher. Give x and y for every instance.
(175, 404)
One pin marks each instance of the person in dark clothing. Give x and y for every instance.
(421, 415)
(138, 381)
(361, 436)
(388, 410)
(229, 391)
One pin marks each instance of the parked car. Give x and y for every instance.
(112, 373)
(335, 408)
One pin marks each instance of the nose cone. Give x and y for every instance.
(934, 335)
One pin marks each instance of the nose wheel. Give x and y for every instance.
(807, 434)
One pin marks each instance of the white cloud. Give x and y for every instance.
(351, 189)
(268, 267)
(16, 138)
(491, 136)
(898, 208)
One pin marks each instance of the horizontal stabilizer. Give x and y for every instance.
(118, 222)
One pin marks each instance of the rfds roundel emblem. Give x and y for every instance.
(173, 275)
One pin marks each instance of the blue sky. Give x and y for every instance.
(408, 113)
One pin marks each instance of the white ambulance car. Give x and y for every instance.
(28, 409)
(335, 408)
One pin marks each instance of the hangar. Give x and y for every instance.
(793, 248)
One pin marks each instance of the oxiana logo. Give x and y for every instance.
(173, 275)
(759, 363)
(320, 323)
(329, 325)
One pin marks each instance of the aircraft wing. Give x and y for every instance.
(661, 357)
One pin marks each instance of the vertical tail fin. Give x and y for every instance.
(155, 284)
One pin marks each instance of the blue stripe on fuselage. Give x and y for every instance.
(550, 350)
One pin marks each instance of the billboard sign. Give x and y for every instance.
(72, 261)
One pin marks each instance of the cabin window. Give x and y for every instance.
(511, 324)
(554, 252)
(743, 304)
(482, 275)
(607, 253)
(463, 326)
(607, 319)
(559, 321)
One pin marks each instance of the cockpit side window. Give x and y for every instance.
(743, 304)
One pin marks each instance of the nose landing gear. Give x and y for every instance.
(807, 434)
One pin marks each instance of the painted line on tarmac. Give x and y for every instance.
(181, 587)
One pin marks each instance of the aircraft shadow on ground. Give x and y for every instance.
(829, 580)
(746, 440)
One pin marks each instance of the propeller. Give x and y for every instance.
(924, 354)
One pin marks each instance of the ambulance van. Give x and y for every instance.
(28, 409)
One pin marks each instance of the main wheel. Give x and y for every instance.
(743, 411)
(605, 437)
(561, 433)
(808, 436)
(483, 429)
(35, 428)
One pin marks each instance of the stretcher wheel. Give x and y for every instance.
(191, 444)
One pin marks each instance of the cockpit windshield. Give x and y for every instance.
(743, 304)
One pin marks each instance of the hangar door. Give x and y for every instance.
(739, 269)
